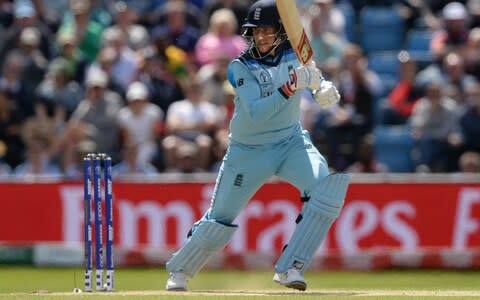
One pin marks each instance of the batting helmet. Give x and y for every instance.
(262, 13)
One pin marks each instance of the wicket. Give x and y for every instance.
(95, 160)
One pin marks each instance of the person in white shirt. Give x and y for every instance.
(193, 119)
(140, 122)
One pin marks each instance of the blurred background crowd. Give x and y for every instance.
(145, 82)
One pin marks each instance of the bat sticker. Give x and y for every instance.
(304, 49)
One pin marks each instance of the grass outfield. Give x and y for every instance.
(58, 283)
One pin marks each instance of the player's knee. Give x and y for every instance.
(329, 195)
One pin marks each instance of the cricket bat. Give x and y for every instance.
(293, 27)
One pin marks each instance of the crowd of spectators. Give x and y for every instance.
(435, 97)
(145, 82)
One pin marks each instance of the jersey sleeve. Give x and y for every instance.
(249, 96)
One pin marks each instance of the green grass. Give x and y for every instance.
(58, 283)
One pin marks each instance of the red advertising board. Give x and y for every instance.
(391, 215)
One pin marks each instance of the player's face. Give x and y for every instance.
(264, 38)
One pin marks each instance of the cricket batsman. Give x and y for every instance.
(266, 139)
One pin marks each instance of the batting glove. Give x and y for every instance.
(308, 76)
(327, 95)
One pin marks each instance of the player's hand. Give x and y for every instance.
(327, 95)
(308, 76)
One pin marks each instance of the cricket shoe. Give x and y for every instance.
(177, 282)
(291, 279)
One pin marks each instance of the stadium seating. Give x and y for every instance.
(418, 40)
(417, 43)
(393, 147)
(350, 22)
(385, 64)
(381, 28)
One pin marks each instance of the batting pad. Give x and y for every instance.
(318, 215)
(208, 238)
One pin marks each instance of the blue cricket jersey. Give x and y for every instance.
(262, 114)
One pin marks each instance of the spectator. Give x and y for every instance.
(95, 116)
(11, 81)
(193, 119)
(469, 162)
(406, 92)
(5, 169)
(136, 35)
(345, 124)
(434, 120)
(328, 43)
(451, 70)
(46, 125)
(143, 10)
(192, 14)
(186, 155)
(221, 138)
(98, 11)
(25, 16)
(68, 50)
(52, 11)
(315, 119)
(328, 18)
(309, 111)
(332, 68)
(454, 34)
(164, 87)
(455, 77)
(365, 158)
(211, 77)
(418, 14)
(221, 142)
(141, 123)
(87, 32)
(125, 67)
(38, 160)
(129, 165)
(176, 31)
(470, 120)
(437, 6)
(73, 155)
(360, 87)
(58, 92)
(472, 53)
(238, 7)
(106, 59)
(220, 40)
(11, 122)
(34, 62)
(180, 63)
(473, 6)
(6, 17)
(227, 104)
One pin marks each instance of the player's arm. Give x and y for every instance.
(248, 92)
